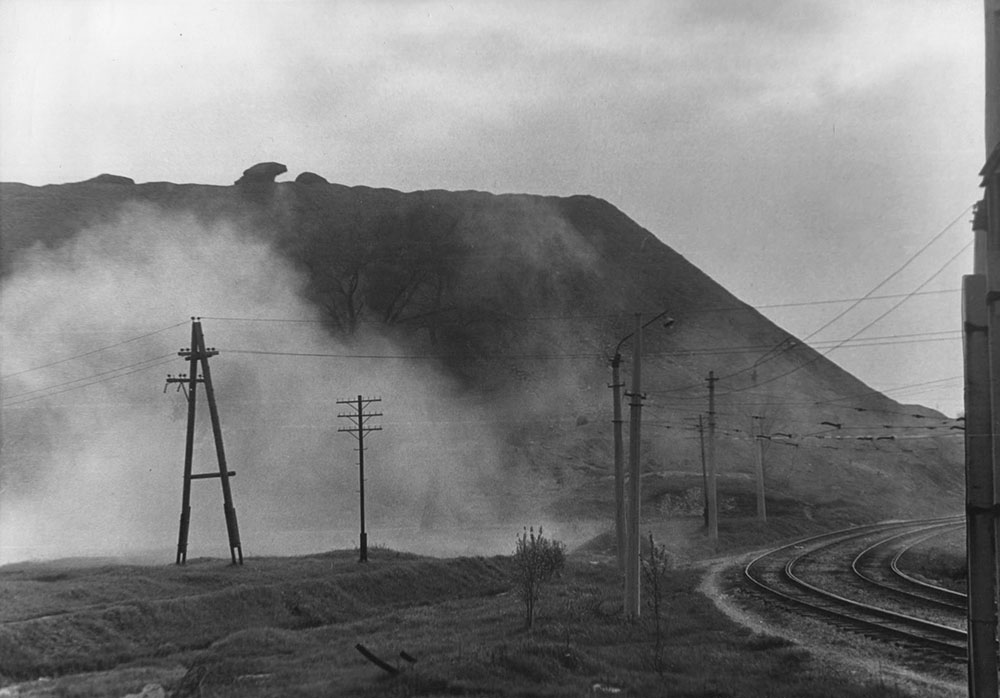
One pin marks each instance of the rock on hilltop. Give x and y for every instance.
(262, 173)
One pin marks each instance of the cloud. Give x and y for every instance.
(684, 115)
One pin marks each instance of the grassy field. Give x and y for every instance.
(289, 626)
(940, 560)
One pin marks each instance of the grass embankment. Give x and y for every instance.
(288, 627)
(939, 560)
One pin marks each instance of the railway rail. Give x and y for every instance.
(852, 579)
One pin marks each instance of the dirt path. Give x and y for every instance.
(843, 661)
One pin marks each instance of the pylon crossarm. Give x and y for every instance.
(203, 476)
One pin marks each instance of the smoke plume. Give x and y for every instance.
(92, 450)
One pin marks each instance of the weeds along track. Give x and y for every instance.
(851, 578)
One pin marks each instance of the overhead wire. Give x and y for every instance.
(670, 404)
(853, 336)
(343, 355)
(909, 260)
(607, 316)
(863, 298)
(411, 357)
(14, 400)
(92, 351)
(862, 342)
(871, 341)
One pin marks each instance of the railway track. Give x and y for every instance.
(878, 564)
(851, 579)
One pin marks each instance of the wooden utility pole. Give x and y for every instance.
(713, 506)
(360, 427)
(704, 473)
(632, 571)
(621, 535)
(197, 354)
(759, 450)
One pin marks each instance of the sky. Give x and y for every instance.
(797, 151)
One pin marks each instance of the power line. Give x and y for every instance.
(819, 402)
(612, 316)
(870, 324)
(890, 390)
(93, 351)
(816, 403)
(572, 356)
(162, 360)
(848, 343)
(833, 301)
(420, 357)
(893, 275)
(77, 380)
(263, 319)
(867, 296)
(885, 340)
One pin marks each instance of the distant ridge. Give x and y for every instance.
(501, 286)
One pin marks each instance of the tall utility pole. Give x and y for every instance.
(991, 181)
(759, 450)
(622, 530)
(621, 536)
(360, 427)
(632, 573)
(981, 319)
(980, 537)
(992, 121)
(197, 354)
(713, 506)
(704, 473)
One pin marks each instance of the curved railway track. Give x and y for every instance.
(852, 579)
(878, 564)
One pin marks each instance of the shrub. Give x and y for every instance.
(536, 560)
(654, 571)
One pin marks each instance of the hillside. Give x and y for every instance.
(515, 302)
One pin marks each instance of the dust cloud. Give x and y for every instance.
(93, 446)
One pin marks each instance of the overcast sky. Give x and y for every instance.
(795, 150)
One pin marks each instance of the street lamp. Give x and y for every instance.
(628, 543)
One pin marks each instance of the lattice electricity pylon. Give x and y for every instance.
(359, 429)
(197, 354)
